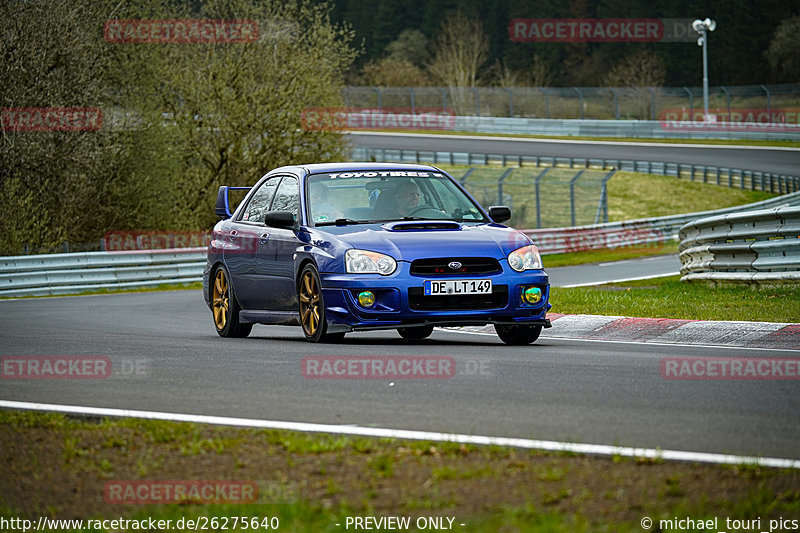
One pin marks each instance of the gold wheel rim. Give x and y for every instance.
(221, 300)
(309, 304)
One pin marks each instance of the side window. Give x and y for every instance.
(259, 202)
(287, 197)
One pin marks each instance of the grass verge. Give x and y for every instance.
(163, 287)
(668, 297)
(59, 466)
(631, 195)
(634, 195)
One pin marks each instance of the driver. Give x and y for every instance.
(406, 198)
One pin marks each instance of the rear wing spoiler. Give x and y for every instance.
(223, 207)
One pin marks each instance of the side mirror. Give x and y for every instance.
(500, 213)
(279, 219)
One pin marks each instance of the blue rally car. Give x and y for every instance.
(346, 247)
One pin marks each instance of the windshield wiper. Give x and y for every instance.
(345, 222)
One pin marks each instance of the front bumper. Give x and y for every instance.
(399, 302)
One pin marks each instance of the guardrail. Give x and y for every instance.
(758, 247)
(634, 232)
(741, 112)
(739, 178)
(53, 274)
(655, 129)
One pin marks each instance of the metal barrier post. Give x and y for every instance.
(572, 195)
(538, 203)
(463, 179)
(728, 98)
(580, 100)
(602, 205)
(546, 102)
(616, 103)
(691, 103)
(500, 186)
(652, 103)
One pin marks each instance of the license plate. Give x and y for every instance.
(457, 286)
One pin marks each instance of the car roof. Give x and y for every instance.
(318, 168)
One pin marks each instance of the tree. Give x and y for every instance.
(784, 51)
(411, 45)
(71, 185)
(636, 72)
(540, 72)
(401, 67)
(392, 72)
(460, 49)
(236, 110)
(643, 68)
(179, 119)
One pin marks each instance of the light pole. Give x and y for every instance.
(702, 27)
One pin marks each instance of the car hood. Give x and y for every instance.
(408, 241)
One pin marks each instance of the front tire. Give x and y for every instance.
(416, 333)
(224, 307)
(312, 307)
(517, 335)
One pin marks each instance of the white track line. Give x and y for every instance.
(594, 449)
(547, 337)
(621, 280)
(572, 141)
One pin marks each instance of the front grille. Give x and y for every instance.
(462, 302)
(440, 266)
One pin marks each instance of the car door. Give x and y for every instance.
(246, 237)
(276, 255)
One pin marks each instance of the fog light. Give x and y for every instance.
(366, 299)
(532, 295)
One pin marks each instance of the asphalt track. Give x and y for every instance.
(168, 358)
(625, 270)
(778, 160)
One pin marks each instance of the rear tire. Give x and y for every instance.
(416, 333)
(312, 308)
(224, 307)
(517, 335)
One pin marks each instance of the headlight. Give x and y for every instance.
(364, 262)
(525, 258)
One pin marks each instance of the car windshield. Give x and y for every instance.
(385, 195)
